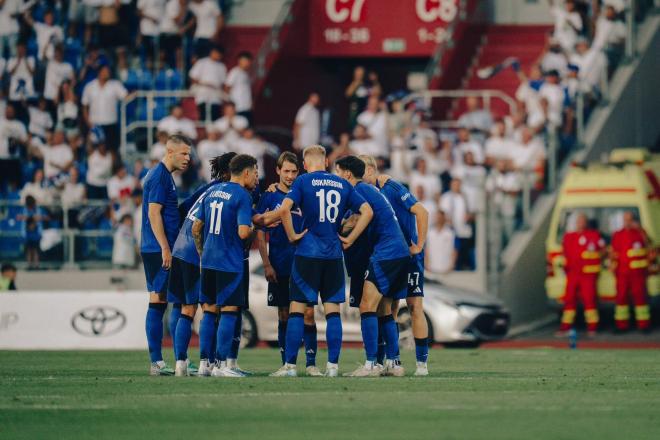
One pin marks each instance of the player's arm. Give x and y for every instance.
(198, 236)
(366, 214)
(422, 221)
(158, 228)
(269, 272)
(287, 221)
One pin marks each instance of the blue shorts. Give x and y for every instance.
(245, 283)
(313, 276)
(184, 282)
(222, 288)
(156, 276)
(416, 275)
(389, 276)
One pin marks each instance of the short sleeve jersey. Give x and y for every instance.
(384, 231)
(159, 187)
(225, 207)
(402, 201)
(184, 246)
(323, 199)
(280, 251)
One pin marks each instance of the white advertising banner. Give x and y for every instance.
(73, 320)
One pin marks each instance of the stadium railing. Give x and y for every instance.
(68, 247)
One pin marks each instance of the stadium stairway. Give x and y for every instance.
(525, 42)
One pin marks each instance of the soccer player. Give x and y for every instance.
(222, 223)
(386, 277)
(184, 281)
(160, 226)
(277, 256)
(413, 220)
(318, 264)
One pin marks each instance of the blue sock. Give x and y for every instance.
(311, 344)
(333, 336)
(281, 338)
(154, 330)
(380, 356)
(225, 334)
(398, 354)
(207, 332)
(369, 323)
(236, 340)
(182, 337)
(391, 337)
(175, 314)
(422, 349)
(294, 334)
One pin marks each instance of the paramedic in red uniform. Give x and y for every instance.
(629, 260)
(583, 251)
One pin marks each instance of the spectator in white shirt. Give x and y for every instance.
(239, 87)
(208, 24)
(68, 112)
(497, 145)
(231, 125)
(150, 13)
(176, 123)
(41, 121)
(440, 255)
(57, 154)
(307, 126)
(421, 134)
(554, 93)
(430, 203)
(466, 144)
(250, 144)
(374, 119)
(363, 144)
(554, 58)
(38, 188)
(421, 176)
(171, 32)
(568, 24)
(610, 35)
(528, 156)
(73, 192)
(49, 34)
(158, 150)
(99, 171)
(123, 244)
(476, 119)
(208, 149)
(100, 100)
(20, 70)
(207, 76)
(591, 62)
(455, 206)
(120, 187)
(473, 178)
(503, 186)
(57, 72)
(13, 137)
(9, 11)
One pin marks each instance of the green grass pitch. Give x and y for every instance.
(471, 394)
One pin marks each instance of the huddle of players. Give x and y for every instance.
(302, 217)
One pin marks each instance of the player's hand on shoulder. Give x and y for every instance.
(345, 242)
(167, 258)
(272, 188)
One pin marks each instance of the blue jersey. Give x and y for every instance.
(184, 246)
(384, 232)
(225, 207)
(357, 256)
(158, 187)
(402, 201)
(185, 206)
(324, 199)
(280, 251)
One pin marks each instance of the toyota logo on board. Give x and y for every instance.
(98, 321)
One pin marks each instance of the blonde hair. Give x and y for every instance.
(314, 150)
(369, 161)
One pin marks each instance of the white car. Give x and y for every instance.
(456, 317)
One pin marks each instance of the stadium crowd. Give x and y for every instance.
(66, 66)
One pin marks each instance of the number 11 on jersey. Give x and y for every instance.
(216, 217)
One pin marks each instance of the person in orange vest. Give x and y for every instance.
(629, 260)
(583, 250)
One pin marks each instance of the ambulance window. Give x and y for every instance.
(606, 219)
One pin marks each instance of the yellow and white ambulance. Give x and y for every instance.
(629, 181)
